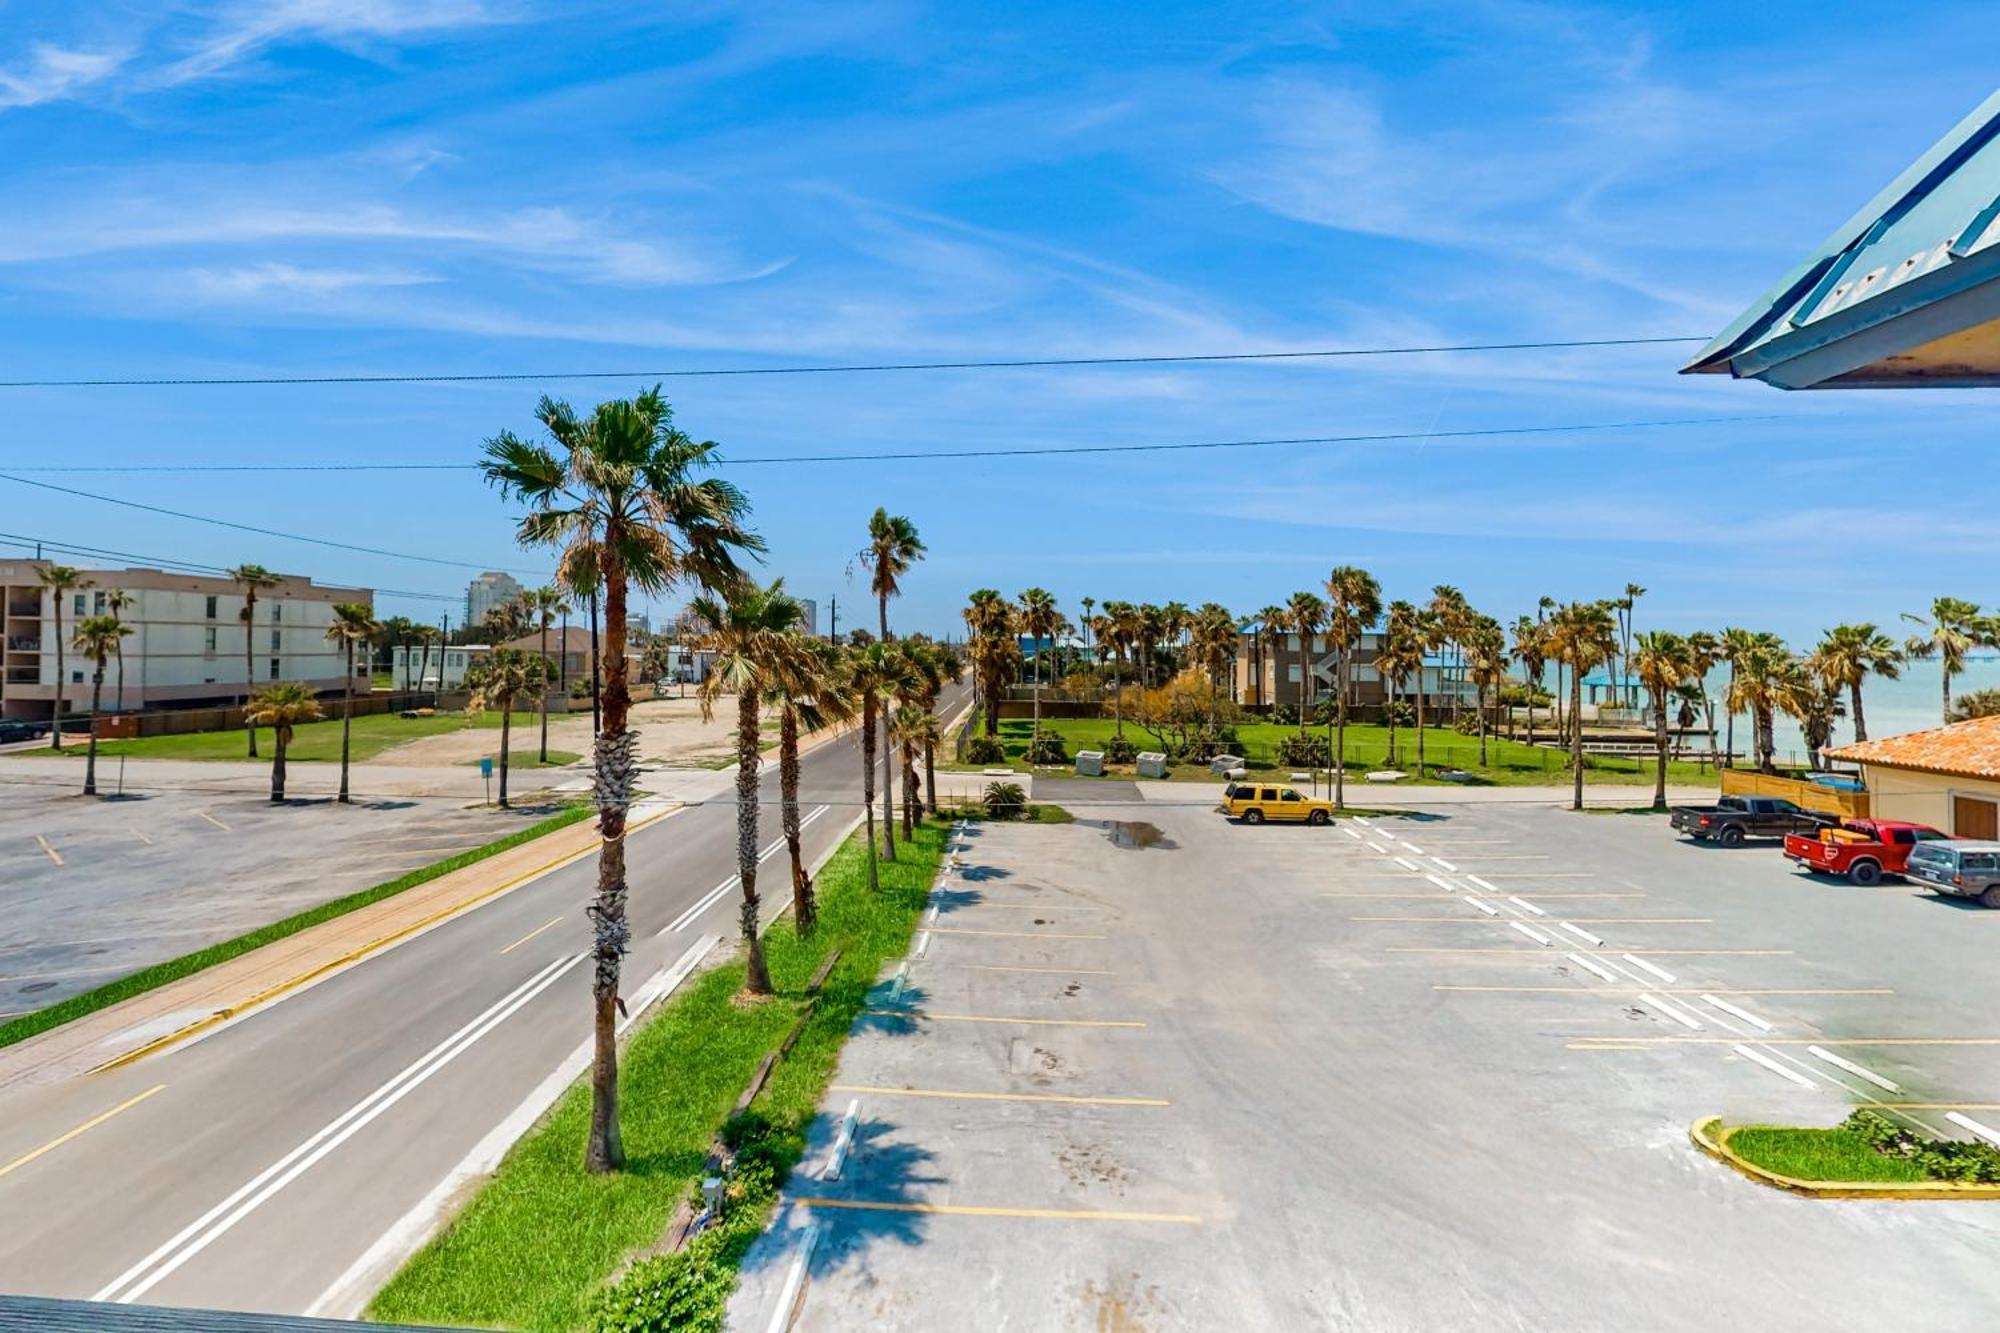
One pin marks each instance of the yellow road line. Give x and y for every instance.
(531, 934)
(983, 1018)
(968, 1210)
(213, 820)
(270, 993)
(1013, 934)
(1589, 1043)
(1577, 920)
(1643, 953)
(1683, 990)
(83, 1128)
(54, 855)
(953, 1095)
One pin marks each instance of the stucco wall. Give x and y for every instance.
(1922, 798)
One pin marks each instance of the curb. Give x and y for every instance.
(1711, 1138)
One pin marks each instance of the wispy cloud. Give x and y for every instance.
(51, 73)
(239, 31)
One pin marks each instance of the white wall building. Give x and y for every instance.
(489, 590)
(433, 667)
(187, 645)
(809, 622)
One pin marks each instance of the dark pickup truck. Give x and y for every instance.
(1733, 818)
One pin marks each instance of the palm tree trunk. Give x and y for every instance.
(543, 689)
(613, 753)
(756, 977)
(1420, 716)
(121, 676)
(909, 778)
(888, 788)
(347, 723)
(882, 609)
(1660, 742)
(90, 760)
(1339, 756)
(506, 731)
(55, 730)
(250, 663)
(1304, 673)
(930, 776)
(278, 767)
(1729, 722)
(868, 707)
(1481, 703)
(1860, 721)
(805, 912)
(1389, 759)
(1944, 675)
(1576, 738)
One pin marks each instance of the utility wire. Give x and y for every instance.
(1028, 363)
(177, 566)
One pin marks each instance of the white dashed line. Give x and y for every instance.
(1582, 934)
(1407, 863)
(1352, 834)
(1588, 966)
(1487, 908)
(1413, 847)
(1523, 902)
(1758, 1057)
(1531, 933)
(1740, 1012)
(1685, 1020)
(1446, 864)
(1482, 883)
(1364, 822)
(1966, 1122)
(1659, 972)
(1380, 848)
(1859, 1071)
(1442, 883)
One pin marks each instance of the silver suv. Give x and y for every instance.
(1964, 869)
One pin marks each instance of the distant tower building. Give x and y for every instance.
(489, 590)
(809, 622)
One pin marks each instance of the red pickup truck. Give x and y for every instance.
(1864, 850)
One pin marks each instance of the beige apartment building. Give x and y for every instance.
(187, 645)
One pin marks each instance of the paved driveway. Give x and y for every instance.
(1425, 1073)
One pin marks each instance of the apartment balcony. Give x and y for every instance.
(18, 643)
(24, 675)
(25, 610)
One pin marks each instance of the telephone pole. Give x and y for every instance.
(833, 619)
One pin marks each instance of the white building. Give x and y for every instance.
(434, 667)
(489, 590)
(809, 622)
(188, 646)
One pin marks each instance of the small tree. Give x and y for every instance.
(504, 676)
(97, 638)
(60, 581)
(281, 707)
(252, 579)
(353, 625)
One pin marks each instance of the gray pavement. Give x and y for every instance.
(1305, 1078)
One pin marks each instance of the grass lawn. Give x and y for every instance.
(535, 1245)
(1821, 1154)
(159, 974)
(531, 757)
(314, 742)
(1510, 763)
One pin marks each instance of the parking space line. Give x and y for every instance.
(1407, 863)
(140, 836)
(1594, 941)
(1584, 1043)
(1586, 920)
(1442, 883)
(1859, 1071)
(213, 820)
(53, 854)
(986, 1018)
(1413, 847)
(1446, 864)
(1758, 1057)
(954, 1094)
(1533, 934)
(1688, 1021)
(1661, 990)
(1011, 934)
(531, 934)
(970, 1210)
(1939, 1106)
(1966, 1122)
(1432, 897)
(1486, 907)
(1523, 902)
(81, 1129)
(1708, 997)
(1659, 972)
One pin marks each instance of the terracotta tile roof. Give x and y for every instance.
(1965, 749)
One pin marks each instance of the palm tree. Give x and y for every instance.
(1354, 602)
(1128, 628)
(543, 605)
(899, 680)
(281, 706)
(1662, 665)
(116, 602)
(1430, 637)
(624, 503)
(503, 676)
(1451, 620)
(1624, 605)
(507, 621)
(869, 673)
(1531, 647)
(1848, 654)
(1086, 623)
(1039, 618)
(1212, 638)
(1953, 630)
(1582, 635)
(906, 730)
(1269, 628)
(809, 695)
(97, 638)
(757, 645)
(60, 581)
(1305, 615)
(1758, 681)
(353, 625)
(989, 618)
(1486, 663)
(1737, 645)
(1401, 653)
(1812, 697)
(252, 579)
(893, 546)
(944, 668)
(399, 632)
(1174, 621)
(1704, 651)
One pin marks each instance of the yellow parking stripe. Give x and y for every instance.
(956, 1095)
(968, 1210)
(1012, 934)
(983, 1018)
(83, 1128)
(213, 820)
(54, 855)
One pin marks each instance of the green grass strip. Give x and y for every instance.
(1838, 1154)
(159, 974)
(534, 1248)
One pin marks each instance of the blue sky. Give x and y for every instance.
(313, 186)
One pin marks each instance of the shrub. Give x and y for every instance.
(1118, 750)
(1942, 1159)
(1467, 724)
(1400, 714)
(1308, 751)
(1047, 748)
(985, 750)
(1005, 800)
(1285, 715)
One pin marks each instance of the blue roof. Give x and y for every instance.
(1897, 295)
(1602, 677)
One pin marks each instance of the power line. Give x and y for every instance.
(1032, 452)
(1026, 363)
(177, 566)
(252, 528)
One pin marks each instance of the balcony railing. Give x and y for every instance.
(22, 644)
(27, 675)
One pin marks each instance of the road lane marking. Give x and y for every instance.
(1966, 1122)
(923, 943)
(1603, 974)
(1758, 1057)
(1432, 897)
(986, 1018)
(1442, 883)
(53, 854)
(1859, 1071)
(714, 895)
(969, 1210)
(1645, 966)
(1481, 883)
(1446, 864)
(1486, 907)
(950, 1094)
(1687, 1021)
(1407, 863)
(213, 820)
(199, 1234)
(1595, 941)
(81, 1129)
(1352, 834)
(1523, 902)
(1586, 1042)
(140, 836)
(1726, 1007)
(1579, 958)
(531, 934)
(1524, 928)
(1413, 847)
(1657, 953)
(1011, 934)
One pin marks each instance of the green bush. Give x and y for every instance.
(1285, 715)
(1941, 1159)
(1005, 800)
(985, 750)
(1118, 750)
(1467, 724)
(1304, 751)
(1047, 748)
(1400, 714)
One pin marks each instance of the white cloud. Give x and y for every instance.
(242, 30)
(55, 72)
(258, 280)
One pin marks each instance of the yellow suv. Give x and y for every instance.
(1255, 802)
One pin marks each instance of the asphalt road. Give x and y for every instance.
(1211, 1076)
(254, 1167)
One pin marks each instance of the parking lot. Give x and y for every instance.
(1435, 1071)
(91, 890)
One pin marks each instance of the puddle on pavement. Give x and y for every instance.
(1131, 833)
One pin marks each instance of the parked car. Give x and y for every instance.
(1255, 802)
(1963, 869)
(14, 729)
(1733, 818)
(1864, 850)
